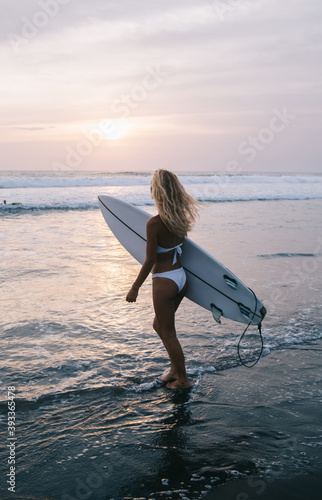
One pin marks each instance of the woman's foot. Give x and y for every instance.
(179, 384)
(169, 376)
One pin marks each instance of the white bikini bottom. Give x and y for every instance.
(177, 275)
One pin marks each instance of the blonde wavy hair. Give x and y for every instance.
(177, 209)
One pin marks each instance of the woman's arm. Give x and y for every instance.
(151, 253)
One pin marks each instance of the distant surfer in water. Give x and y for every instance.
(15, 203)
(177, 211)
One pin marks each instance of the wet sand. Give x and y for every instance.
(304, 487)
(288, 383)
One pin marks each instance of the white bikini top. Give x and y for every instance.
(177, 250)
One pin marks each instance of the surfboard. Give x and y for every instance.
(211, 284)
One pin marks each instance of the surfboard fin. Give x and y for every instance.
(246, 311)
(230, 282)
(216, 312)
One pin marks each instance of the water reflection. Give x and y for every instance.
(166, 448)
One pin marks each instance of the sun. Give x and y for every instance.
(109, 130)
(115, 129)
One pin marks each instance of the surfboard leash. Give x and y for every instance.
(260, 335)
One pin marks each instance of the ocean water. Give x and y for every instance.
(93, 419)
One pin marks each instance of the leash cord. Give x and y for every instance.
(260, 335)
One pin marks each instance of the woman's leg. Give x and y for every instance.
(166, 301)
(171, 374)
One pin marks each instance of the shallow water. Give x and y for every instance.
(93, 417)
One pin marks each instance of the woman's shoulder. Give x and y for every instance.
(154, 221)
(155, 225)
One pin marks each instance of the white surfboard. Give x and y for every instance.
(211, 285)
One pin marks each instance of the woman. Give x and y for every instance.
(177, 212)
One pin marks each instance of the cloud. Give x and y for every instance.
(32, 128)
(228, 63)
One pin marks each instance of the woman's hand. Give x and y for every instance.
(132, 295)
(151, 253)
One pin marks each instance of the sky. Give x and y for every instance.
(190, 85)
